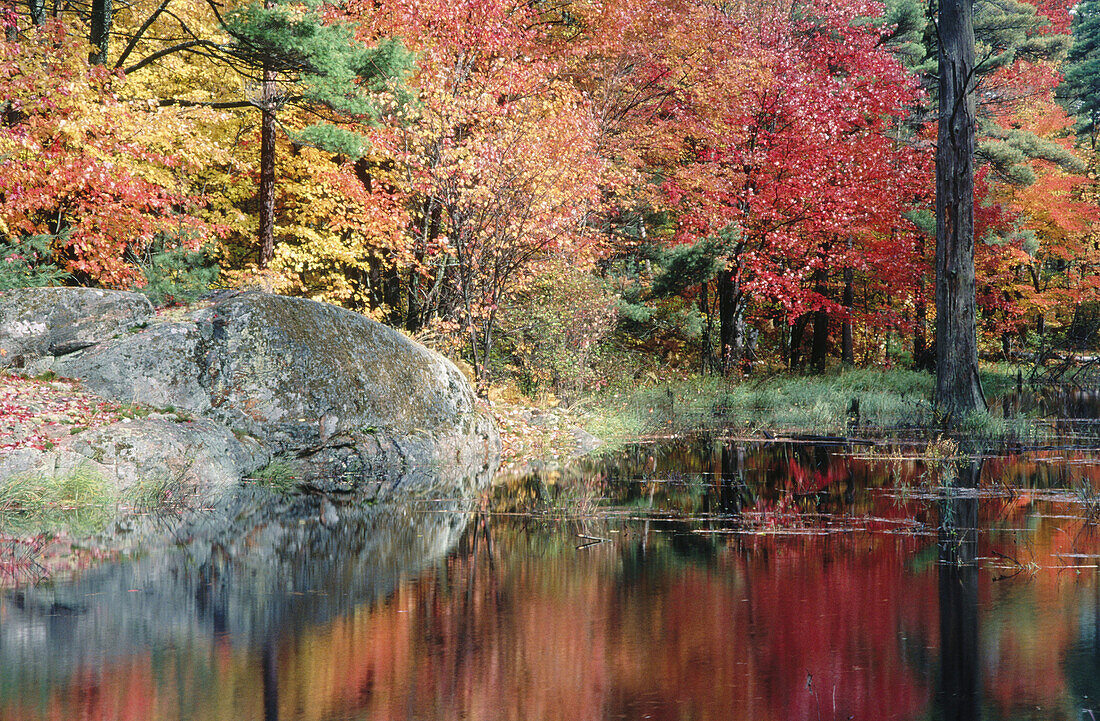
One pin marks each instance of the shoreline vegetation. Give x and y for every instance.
(855, 404)
(43, 518)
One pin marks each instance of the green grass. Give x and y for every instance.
(80, 500)
(888, 400)
(278, 475)
(158, 494)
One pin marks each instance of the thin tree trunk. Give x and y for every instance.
(798, 331)
(922, 360)
(958, 387)
(704, 308)
(267, 170)
(100, 33)
(847, 341)
(266, 231)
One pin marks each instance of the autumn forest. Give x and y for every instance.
(561, 192)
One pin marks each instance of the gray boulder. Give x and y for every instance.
(334, 396)
(39, 322)
(159, 366)
(162, 455)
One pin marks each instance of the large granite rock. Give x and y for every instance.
(194, 455)
(335, 397)
(39, 322)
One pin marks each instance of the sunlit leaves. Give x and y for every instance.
(78, 163)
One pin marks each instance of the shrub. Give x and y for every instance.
(551, 333)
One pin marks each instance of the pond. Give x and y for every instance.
(685, 579)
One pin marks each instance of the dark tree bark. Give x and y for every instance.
(731, 319)
(268, 99)
(924, 358)
(102, 16)
(958, 387)
(798, 332)
(267, 170)
(704, 309)
(37, 9)
(820, 345)
(847, 341)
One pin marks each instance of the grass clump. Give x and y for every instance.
(1090, 503)
(80, 500)
(160, 494)
(278, 476)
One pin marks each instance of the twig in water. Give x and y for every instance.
(592, 541)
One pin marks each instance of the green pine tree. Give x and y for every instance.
(299, 59)
(1082, 69)
(1004, 31)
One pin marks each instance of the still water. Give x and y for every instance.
(708, 579)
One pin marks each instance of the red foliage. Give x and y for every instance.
(72, 163)
(789, 133)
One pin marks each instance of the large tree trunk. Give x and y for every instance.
(731, 318)
(847, 340)
(819, 347)
(958, 388)
(100, 31)
(267, 170)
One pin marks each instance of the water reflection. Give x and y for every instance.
(960, 663)
(707, 580)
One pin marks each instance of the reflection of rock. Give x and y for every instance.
(332, 395)
(255, 568)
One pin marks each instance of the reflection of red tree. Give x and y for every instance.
(544, 631)
(828, 608)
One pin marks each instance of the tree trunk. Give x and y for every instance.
(37, 10)
(922, 359)
(798, 331)
(266, 229)
(267, 170)
(958, 387)
(847, 342)
(820, 345)
(731, 320)
(100, 33)
(704, 308)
